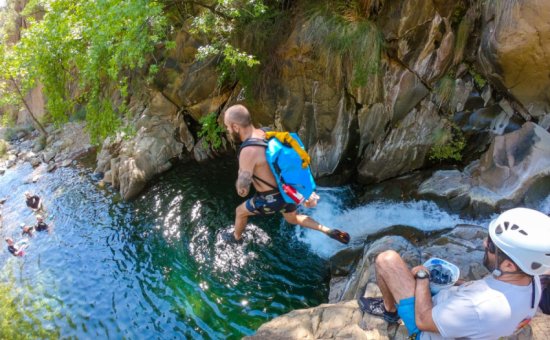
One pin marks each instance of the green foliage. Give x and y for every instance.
(444, 90)
(479, 80)
(358, 41)
(211, 131)
(7, 120)
(129, 131)
(3, 148)
(218, 24)
(357, 10)
(15, 324)
(79, 48)
(448, 144)
(463, 33)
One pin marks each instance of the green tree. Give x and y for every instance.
(84, 52)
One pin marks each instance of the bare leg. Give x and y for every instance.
(241, 217)
(305, 221)
(394, 278)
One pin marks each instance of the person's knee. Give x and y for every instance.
(291, 218)
(387, 258)
(241, 212)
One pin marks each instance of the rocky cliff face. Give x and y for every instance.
(419, 76)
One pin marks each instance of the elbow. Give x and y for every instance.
(422, 321)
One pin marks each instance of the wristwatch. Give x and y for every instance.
(422, 274)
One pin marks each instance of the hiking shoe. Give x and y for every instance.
(340, 236)
(375, 306)
(229, 237)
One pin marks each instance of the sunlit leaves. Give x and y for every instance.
(217, 23)
(83, 52)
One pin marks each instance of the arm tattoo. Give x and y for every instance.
(243, 182)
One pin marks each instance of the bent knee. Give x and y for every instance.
(242, 211)
(387, 257)
(290, 218)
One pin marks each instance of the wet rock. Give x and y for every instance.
(96, 176)
(66, 163)
(51, 167)
(108, 178)
(35, 161)
(39, 144)
(2, 171)
(48, 156)
(201, 152)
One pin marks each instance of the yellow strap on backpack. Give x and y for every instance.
(286, 138)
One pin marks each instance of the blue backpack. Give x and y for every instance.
(287, 165)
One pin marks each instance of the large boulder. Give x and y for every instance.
(161, 137)
(515, 50)
(514, 171)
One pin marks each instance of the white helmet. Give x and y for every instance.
(524, 235)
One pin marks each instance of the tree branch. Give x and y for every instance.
(40, 127)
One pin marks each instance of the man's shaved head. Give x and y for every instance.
(239, 115)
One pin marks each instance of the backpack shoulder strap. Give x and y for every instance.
(252, 142)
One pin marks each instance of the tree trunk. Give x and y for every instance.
(38, 124)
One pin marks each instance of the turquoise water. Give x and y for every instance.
(155, 267)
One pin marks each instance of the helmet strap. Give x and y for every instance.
(497, 273)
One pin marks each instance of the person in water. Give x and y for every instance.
(252, 167)
(41, 225)
(516, 252)
(16, 249)
(33, 201)
(27, 230)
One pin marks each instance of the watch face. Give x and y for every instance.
(421, 274)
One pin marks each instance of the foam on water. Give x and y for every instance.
(370, 218)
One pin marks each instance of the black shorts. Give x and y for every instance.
(269, 202)
(545, 300)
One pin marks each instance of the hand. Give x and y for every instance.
(417, 269)
(242, 192)
(311, 202)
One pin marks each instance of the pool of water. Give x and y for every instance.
(155, 267)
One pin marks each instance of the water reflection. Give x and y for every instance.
(154, 267)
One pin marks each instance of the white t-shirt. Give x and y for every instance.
(482, 309)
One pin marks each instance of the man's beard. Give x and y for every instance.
(234, 137)
(490, 265)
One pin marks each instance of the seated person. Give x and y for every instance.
(16, 249)
(493, 307)
(33, 201)
(40, 225)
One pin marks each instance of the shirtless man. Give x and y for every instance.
(254, 169)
